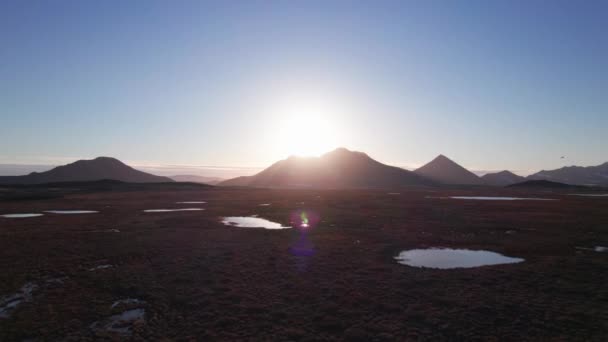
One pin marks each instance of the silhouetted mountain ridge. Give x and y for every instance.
(541, 184)
(196, 179)
(502, 178)
(100, 168)
(444, 170)
(579, 175)
(340, 168)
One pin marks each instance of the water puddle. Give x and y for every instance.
(8, 304)
(111, 230)
(127, 302)
(251, 222)
(100, 267)
(171, 210)
(590, 195)
(121, 323)
(57, 281)
(70, 212)
(489, 198)
(264, 205)
(131, 312)
(599, 249)
(21, 215)
(446, 258)
(191, 202)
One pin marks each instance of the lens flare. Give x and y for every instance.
(304, 219)
(303, 248)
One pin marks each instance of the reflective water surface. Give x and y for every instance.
(491, 198)
(191, 202)
(446, 258)
(9, 303)
(600, 249)
(68, 212)
(590, 195)
(251, 222)
(21, 215)
(171, 210)
(101, 267)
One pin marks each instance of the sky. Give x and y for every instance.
(241, 84)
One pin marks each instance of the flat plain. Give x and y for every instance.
(184, 275)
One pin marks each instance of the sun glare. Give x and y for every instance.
(306, 129)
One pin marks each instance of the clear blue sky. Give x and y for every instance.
(491, 84)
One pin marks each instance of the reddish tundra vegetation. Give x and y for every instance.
(123, 273)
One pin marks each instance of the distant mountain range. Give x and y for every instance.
(87, 170)
(340, 168)
(541, 184)
(444, 170)
(196, 179)
(579, 175)
(502, 178)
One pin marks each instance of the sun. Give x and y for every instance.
(306, 129)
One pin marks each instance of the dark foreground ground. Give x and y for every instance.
(197, 279)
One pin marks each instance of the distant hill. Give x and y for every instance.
(444, 170)
(101, 168)
(579, 175)
(196, 179)
(340, 168)
(540, 184)
(502, 178)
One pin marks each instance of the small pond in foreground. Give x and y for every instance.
(171, 210)
(446, 258)
(251, 222)
(71, 212)
(491, 198)
(21, 215)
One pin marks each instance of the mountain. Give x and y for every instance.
(544, 184)
(340, 168)
(502, 178)
(87, 170)
(196, 179)
(444, 170)
(579, 175)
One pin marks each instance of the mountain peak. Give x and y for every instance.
(579, 175)
(443, 159)
(340, 168)
(445, 170)
(90, 170)
(343, 152)
(502, 178)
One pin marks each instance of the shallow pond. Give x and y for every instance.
(21, 215)
(590, 195)
(9, 303)
(171, 210)
(251, 222)
(490, 198)
(121, 323)
(69, 212)
(446, 258)
(600, 249)
(100, 267)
